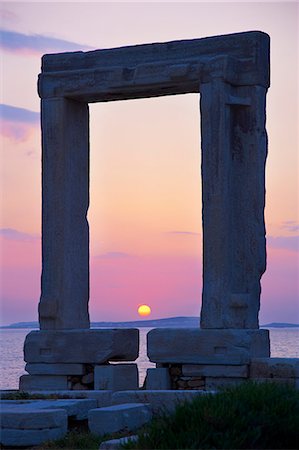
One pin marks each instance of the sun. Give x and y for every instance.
(144, 310)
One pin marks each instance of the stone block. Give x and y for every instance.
(206, 346)
(29, 382)
(274, 368)
(158, 379)
(23, 428)
(116, 377)
(211, 370)
(17, 416)
(115, 444)
(81, 346)
(159, 401)
(112, 419)
(75, 408)
(219, 383)
(27, 438)
(55, 369)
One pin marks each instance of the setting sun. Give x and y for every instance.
(144, 310)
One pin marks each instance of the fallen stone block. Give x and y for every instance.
(206, 346)
(27, 438)
(159, 401)
(20, 428)
(274, 368)
(17, 416)
(115, 444)
(211, 370)
(29, 382)
(116, 377)
(81, 346)
(55, 369)
(112, 419)
(158, 379)
(75, 408)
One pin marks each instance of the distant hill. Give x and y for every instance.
(169, 322)
(280, 325)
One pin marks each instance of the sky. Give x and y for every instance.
(145, 209)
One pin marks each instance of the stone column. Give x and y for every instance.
(65, 199)
(234, 148)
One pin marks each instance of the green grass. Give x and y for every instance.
(74, 440)
(250, 416)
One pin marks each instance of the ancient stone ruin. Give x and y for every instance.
(231, 73)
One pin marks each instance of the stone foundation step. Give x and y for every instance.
(158, 400)
(111, 419)
(75, 408)
(22, 426)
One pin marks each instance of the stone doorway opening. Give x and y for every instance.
(145, 208)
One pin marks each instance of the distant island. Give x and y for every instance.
(169, 322)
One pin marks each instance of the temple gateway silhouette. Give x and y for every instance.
(231, 73)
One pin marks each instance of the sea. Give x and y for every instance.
(284, 344)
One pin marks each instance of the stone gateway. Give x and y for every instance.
(231, 74)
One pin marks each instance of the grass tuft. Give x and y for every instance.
(249, 416)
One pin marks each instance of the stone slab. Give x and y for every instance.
(21, 427)
(103, 398)
(75, 408)
(206, 346)
(55, 369)
(115, 444)
(155, 69)
(159, 401)
(210, 370)
(18, 416)
(82, 346)
(274, 368)
(112, 419)
(158, 379)
(28, 382)
(116, 377)
(27, 438)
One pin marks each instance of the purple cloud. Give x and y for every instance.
(290, 225)
(15, 235)
(14, 42)
(15, 114)
(113, 255)
(284, 242)
(17, 123)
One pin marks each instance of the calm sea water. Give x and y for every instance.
(284, 343)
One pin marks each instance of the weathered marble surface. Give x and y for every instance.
(234, 150)
(148, 70)
(116, 377)
(205, 346)
(231, 72)
(157, 379)
(82, 346)
(55, 369)
(65, 200)
(111, 419)
(274, 368)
